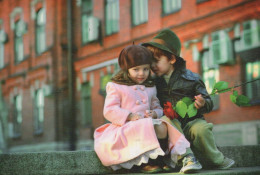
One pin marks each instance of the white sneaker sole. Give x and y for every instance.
(232, 162)
(191, 169)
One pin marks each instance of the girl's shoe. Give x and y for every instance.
(151, 169)
(166, 168)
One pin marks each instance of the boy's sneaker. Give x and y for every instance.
(190, 164)
(227, 163)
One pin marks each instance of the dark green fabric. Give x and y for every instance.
(169, 42)
(199, 133)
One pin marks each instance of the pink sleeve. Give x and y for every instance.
(112, 108)
(155, 104)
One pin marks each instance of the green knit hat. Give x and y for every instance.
(168, 41)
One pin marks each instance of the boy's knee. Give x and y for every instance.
(201, 129)
(161, 131)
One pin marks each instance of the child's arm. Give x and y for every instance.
(155, 105)
(199, 101)
(203, 101)
(133, 117)
(150, 113)
(112, 108)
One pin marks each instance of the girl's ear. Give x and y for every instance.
(173, 59)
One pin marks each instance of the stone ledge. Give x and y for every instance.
(87, 162)
(233, 171)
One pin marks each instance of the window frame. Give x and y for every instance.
(89, 23)
(134, 14)
(201, 1)
(110, 6)
(18, 37)
(225, 48)
(3, 40)
(17, 115)
(85, 14)
(171, 10)
(210, 65)
(86, 105)
(253, 33)
(40, 30)
(38, 112)
(252, 95)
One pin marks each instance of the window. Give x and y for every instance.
(3, 39)
(38, 111)
(237, 35)
(40, 31)
(90, 24)
(251, 34)
(86, 105)
(170, 6)
(201, 1)
(195, 53)
(252, 72)
(221, 48)
(112, 16)
(18, 40)
(210, 71)
(103, 83)
(139, 11)
(17, 117)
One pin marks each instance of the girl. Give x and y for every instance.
(135, 134)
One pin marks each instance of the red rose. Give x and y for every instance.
(168, 111)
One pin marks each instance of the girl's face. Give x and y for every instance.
(139, 73)
(161, 64)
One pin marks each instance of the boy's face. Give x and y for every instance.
(162, 65)
(139, 73)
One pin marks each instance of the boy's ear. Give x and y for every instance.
(173, 59)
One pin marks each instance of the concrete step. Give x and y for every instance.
(232, 171)
(86, 162)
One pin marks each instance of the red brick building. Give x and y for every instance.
(56, 57)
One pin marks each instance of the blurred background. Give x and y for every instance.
(57, 56)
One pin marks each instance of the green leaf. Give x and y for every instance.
(235, 93)
(213, 93)
(192, 110)
(233, 98)
(242, 100)
(187, 100)
(181, 108)
(221, 85)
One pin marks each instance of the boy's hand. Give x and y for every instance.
(133, 117)
(150, 113)
(199, 101)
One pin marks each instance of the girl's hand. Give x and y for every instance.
(199, 101)
(133, 117)
(150, 113)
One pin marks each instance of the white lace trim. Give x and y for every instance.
(179, 149)
(153, 154)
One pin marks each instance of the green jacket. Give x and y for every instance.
(183, 83)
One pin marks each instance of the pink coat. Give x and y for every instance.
(120, 141)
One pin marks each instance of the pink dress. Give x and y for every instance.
(122, 143)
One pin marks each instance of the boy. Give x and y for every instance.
(173, 82)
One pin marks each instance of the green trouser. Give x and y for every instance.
(200, 135)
